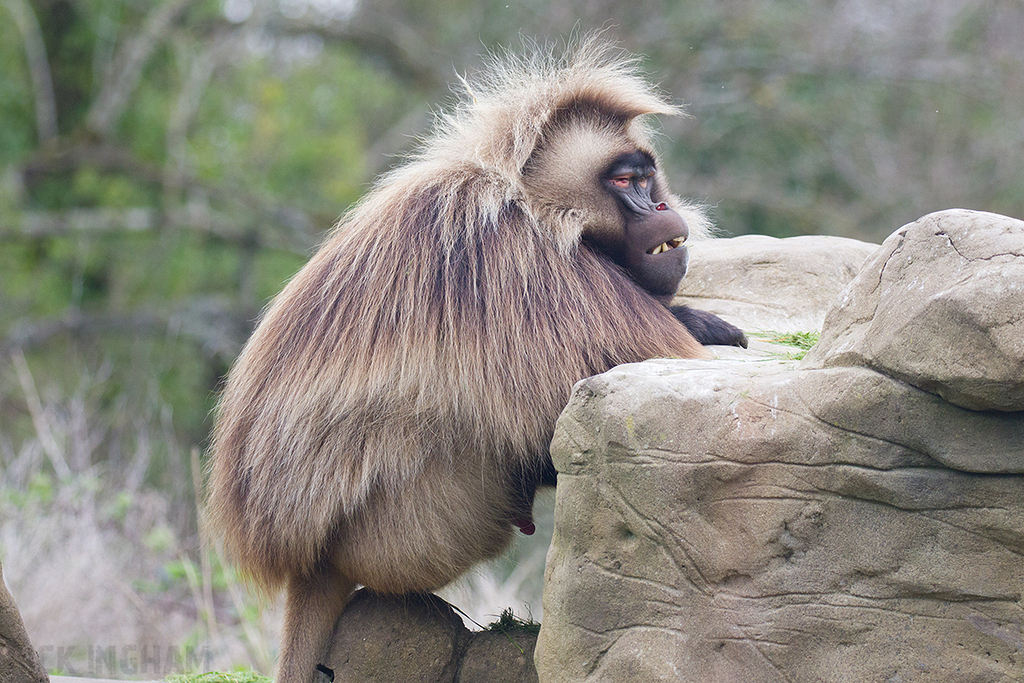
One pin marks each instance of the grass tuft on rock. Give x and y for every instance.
(801, 340)
(508, 622)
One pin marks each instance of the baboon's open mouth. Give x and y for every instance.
(665, 246)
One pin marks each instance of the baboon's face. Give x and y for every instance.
(650, 246)
(617, 200)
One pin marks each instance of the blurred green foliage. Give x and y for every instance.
(166, 166)
(239, 676)
(245, 128)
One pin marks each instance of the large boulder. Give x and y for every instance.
(403, 639)
(765, 283)
(849, 517)
(420, 639)
(19, 662)
(941, 307)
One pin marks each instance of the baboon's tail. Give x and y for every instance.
(313, 605)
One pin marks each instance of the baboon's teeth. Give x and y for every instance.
(665, 246)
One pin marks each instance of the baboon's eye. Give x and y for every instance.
(642, 182)
(622, 181)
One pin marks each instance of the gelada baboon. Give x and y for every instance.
(389, 420)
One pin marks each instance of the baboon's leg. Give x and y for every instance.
(313, 604)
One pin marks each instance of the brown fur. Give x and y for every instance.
(391, 414)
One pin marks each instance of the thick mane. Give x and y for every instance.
(417, 312)
(510, 103)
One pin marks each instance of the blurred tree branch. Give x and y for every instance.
(125, 71)
(219, 327)
(198, 72)
(283, 227)
(38, 67)
(400, 47)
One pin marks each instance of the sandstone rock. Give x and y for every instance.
(845, 518)
(939, 306)
(495, 657)
(764, 283)
(406, 639)
(711, 527)
(19, 662)
(420, 638)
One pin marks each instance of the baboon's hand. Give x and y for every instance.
(708, 328)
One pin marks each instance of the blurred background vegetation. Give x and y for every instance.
(165, 166)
